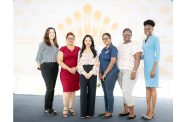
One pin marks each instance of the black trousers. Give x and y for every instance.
(87, 93)
(49, 72)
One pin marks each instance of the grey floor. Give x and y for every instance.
(29, 108)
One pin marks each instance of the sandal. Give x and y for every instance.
(102, 114)
(132, 117)
(151, 117)
(106, 116)
(123, 114)
(65, 113)
(144, 116)
(72, 112)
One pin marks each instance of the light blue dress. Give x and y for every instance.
(151, 54)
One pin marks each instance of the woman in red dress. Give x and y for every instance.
(67, 59)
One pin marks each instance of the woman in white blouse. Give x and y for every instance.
(88, 65)
(128, 62)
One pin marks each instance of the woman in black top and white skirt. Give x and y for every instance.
(47, 63)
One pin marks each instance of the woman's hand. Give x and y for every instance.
(104, 75)
(74, 69)
(86, 75)
(70, 70)
(152, 74)
(100, 76)
(90, 74)
(133, 75)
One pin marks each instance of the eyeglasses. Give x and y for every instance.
(105, 39)
(70, 39)
(127, 34)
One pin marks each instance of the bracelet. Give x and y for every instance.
(133, 71)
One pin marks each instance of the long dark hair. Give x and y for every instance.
(92, 47)
(46, 37)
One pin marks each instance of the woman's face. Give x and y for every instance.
(87, 42)
(106, 40)
(127, 36)
(51, 34)
(148, 29)
(70, 40)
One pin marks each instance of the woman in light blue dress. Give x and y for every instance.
(151, 51)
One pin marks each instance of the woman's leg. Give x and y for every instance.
(48, 78)
(54, 75)
(131, 109)
(128, 86)
(71, 104)
(109, 87)
(126, 110)
(105, 96)
(65, 103)
(83, 95)
(122, 84)
(72, 97)
(66, 99)
(91, 95)
(148, 99)
(154, 98)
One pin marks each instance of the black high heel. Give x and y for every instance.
(123, 114)
(49, 112)
(53, 112)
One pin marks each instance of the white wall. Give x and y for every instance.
(32, 17)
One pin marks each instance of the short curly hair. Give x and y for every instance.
(149, 22)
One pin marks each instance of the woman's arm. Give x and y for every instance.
(95, 68)
(110, 66)
(80, 67)
(39, 55)
(157, 57)
(100, 75)
(61, 63)
(137, 57)
(137, 61)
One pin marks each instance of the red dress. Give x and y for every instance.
(70, 82)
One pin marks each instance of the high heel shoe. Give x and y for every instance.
(47, 112)
(144, 116)
(50, 112)
(65, 113)
(72, 112)
(53, 112)
(151, 117)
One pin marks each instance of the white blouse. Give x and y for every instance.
(87, 58)
(126, 54)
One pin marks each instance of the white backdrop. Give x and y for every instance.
(32, 17)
